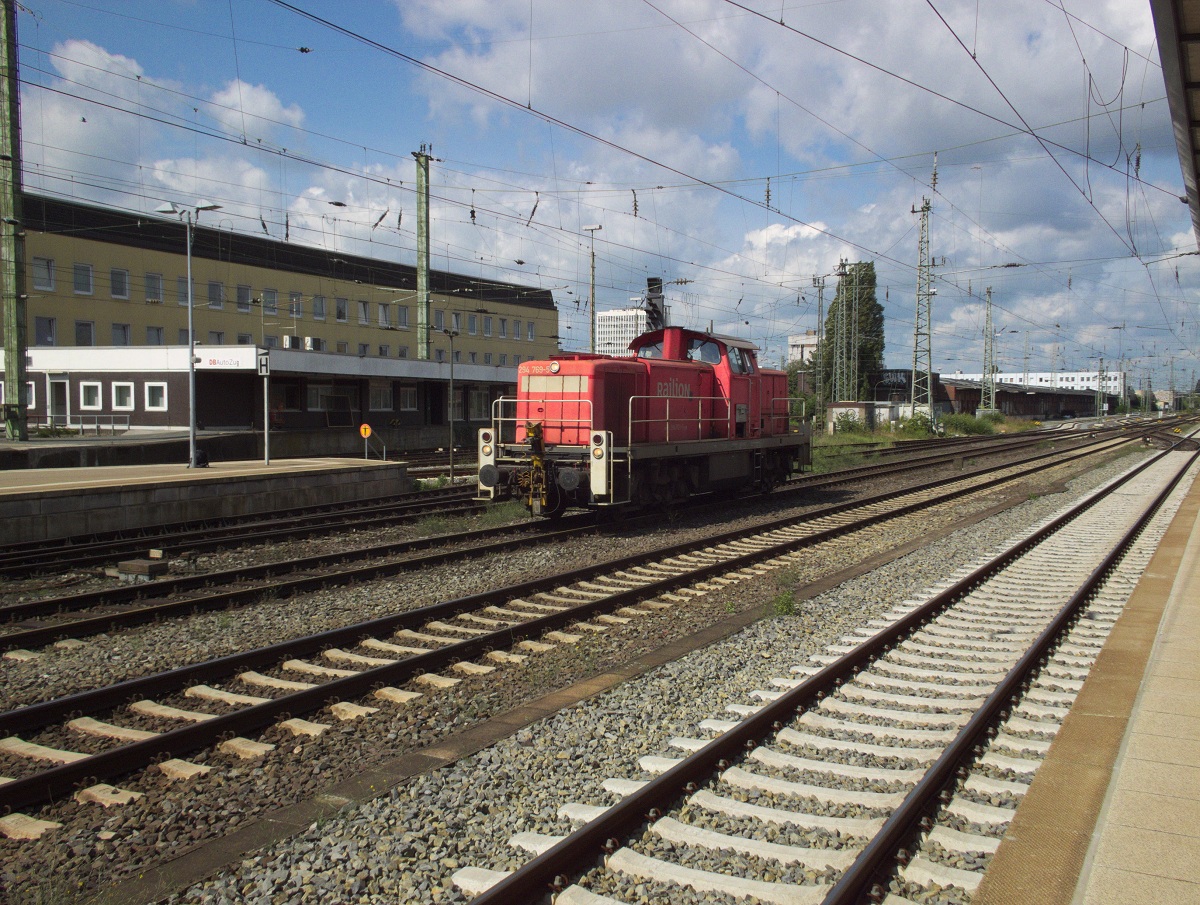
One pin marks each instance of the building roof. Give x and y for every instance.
(98, 224)
(1019, 388)
(1177, 25)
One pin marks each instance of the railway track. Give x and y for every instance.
(883, 770)
(250, 691)
(82, 614)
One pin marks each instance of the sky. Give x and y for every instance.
(737, 150)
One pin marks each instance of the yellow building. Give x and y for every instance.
(107, 330)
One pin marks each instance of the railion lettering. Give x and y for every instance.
(674, 387)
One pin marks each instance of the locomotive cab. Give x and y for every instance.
(689, 413)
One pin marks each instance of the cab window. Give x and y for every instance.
(653, 351)
(736, 365)
(704, 350)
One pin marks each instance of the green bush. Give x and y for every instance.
(917, 424)
(849, 423)
(969, 424)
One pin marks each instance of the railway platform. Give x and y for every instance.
(48, 503)
(1113, 814)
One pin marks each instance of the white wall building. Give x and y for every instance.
(1114, 381)
(616, 329)
(802, 346)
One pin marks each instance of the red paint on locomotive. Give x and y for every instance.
(690, 413)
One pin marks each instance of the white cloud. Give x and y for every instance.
(253, 110)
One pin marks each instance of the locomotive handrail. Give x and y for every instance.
(714, 419)
(787, 413)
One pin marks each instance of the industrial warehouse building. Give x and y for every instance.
(107, 334)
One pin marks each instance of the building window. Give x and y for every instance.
(456, 322)
(343, 346)
(216, 337)
(89, 396)
(364, 312)
(385, 314)
(503, 359)
(402, 352)
(318, 302)
(156, 397)
(529, 331)
(243, 299)
(487, 326)
(154, 336)
(271, 342)
(402, 316)
(216, 294)
(245, 339)
(439, 355)
(314, 344)
(154, 288)
(45, 331)
(381, 397)
(83, 279)
(270, 301)
(85, 333)
(478, 404)
(504, 328)
(183, 336)
(384, 350)
(295, 304)
(439, 320)
(472, 324)
(516, 360)
(472, 356)
(363, 349)
(118, 283)
(121, 335)
(408, 399)
(122, 397)
(325, 398)
(181, 290)
(342, 309)
(457, 356)
(487, 358)
(43, 274)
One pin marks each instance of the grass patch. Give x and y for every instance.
(784, 604)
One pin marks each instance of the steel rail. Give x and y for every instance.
(551, 871)
(156, 608)
(57, 782)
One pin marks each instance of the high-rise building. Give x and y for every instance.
(615, 330)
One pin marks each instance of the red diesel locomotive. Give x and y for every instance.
(691, 413)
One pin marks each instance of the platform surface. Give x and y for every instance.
(44, 480)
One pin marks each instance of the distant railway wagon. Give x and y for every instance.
(692, 413)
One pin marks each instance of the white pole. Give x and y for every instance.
(266, 419)
(191, 351)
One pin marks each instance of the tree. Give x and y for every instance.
(864, 344)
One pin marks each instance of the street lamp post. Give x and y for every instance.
(450, 401)
(591, 230)
(185, 214)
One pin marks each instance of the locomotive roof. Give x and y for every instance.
(731, 341)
